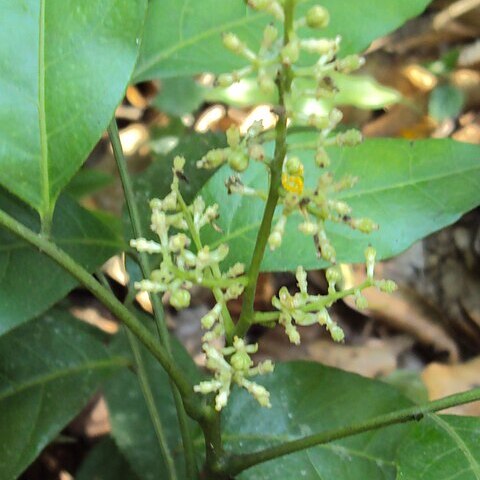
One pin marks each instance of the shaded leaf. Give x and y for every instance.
(30, 282)
(49, 369)
(88, 181)
(132, 428)
(184, 37)
(410, 189)
(179, 96)
(308, 398)
(59, 87)
(441, 447)
(105, 462)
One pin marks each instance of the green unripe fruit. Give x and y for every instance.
(318, 17)
(294, 166)
(241, 361)
(233, 136)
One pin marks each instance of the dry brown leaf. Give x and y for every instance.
(374, 359)
(442, 380)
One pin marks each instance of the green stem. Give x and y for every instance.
(151, 407)
(237, 464)
(193, 404)
(144, 383)
(284, 86)
(158, 311)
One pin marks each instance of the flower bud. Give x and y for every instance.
(274, 240)
(294, 166)
(233, 43)
(266, 84)
(233, 136)
(321, 46)
(361, 302)
(337, 333)
(318, 17)
(364, 225)
(226, 80)
(350, 138)
(370, 254)
(241, 361)
(180, 299)
(144, 245)
(328, 252)
(178, 164)
(335, 117)
(238, 161)
(387, 286)
(333, 275)
(321, 158)
(350, 63)
(308, 228)
(270, 34)
(213, 159)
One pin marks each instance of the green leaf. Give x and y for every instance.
(309, 398)
(179, 96)
(446, 101)
(183, 37)
(360, 91)
(410, 189)
(49, 370)
(30, 282)
(132, 428)
(88, 181)
(441, 447)
(105, 462)
(65, 66)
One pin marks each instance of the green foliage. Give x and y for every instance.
(317, 399)
(440, 448)
(27, 274)
(65, 65)
(105, 462)
(181, 37)
(49, 370)
(410, 189)
(132, 427)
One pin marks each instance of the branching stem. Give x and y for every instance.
(239, 463)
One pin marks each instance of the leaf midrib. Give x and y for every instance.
(52, 376)
(44, 175)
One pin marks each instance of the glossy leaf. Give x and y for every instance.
(183, 37)
(65, 66)
(308, 398)
(441, 447)
(132, 428)
(410, 189)
(105, 462)
(30, 282)
(49, 370)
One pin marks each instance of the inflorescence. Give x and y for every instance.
(185, 261)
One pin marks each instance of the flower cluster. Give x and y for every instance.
(304, 309)
(176, 225)
(237, 370)
(280, 65)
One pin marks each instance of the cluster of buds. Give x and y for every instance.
(304, 309)
(239, 151)
(316, 207)
(178, 225)
(180, 266)
(237, 370)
